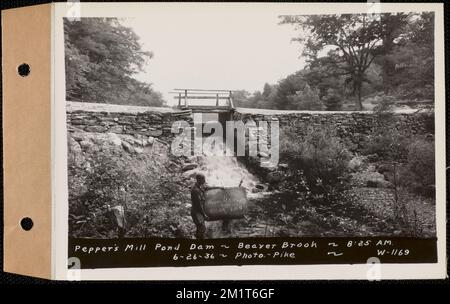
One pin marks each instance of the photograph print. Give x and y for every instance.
(291, 127)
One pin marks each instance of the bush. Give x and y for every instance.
(384, 104)
(357, 163)
(319, 163)
(387, 143)
(307, 99)
(332, 101)
(129, 181)
(106, 182)
(419, 171)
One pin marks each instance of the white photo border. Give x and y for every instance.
(248, 272)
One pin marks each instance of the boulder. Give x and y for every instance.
(127, 147)
(189, 166)
(154, 132)
(263, 155)
(259, 188)
(116, 129)
(376, 180)
(86, 144)
(115, 139)
(274, 177)
(139, 142)
(74, 146)
(96, 129)
(189, 174)
(283, 166)
(79, 136)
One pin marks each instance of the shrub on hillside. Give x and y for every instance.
(384, 104)
(319, 163)
(386, 144)
(385, 141)
(105, 183)
(129, 181)
(419, 170)
(332, 101)
(306, 99)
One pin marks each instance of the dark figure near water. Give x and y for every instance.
(198, 201)
(197, 210)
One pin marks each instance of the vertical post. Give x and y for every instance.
(230, 100)
(217, 99)
(185, 98)
(179, 100)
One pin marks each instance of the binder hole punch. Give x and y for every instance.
(23, 70)
(26, 223)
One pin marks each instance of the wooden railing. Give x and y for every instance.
(185, 95)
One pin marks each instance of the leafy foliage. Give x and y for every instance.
(351, 37)
(413, 60)
(319, 162)
(384, 107)
(118, 179)
(386, 143)
(306, 99)
(332, 100)
(102, 56)
(353, 57)
(419, 170)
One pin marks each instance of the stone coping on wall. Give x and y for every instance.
(281, 112)
(73, 106)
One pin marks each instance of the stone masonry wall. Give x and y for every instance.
(111, 119)
(352, 127)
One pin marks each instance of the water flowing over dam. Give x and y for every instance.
(227, 171)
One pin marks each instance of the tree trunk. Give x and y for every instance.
(358, 88)
(360, 106)
(387, 48)
(385, 75)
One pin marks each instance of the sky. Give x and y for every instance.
(215, 49)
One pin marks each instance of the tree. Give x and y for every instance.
(332, 100)
(241, 98)
(287, 87)
(413, 59)
(327, 81)
(306, 99)
(102, 56)
(349, 38)
(267, 90)
(391, 26)
(257, 100)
